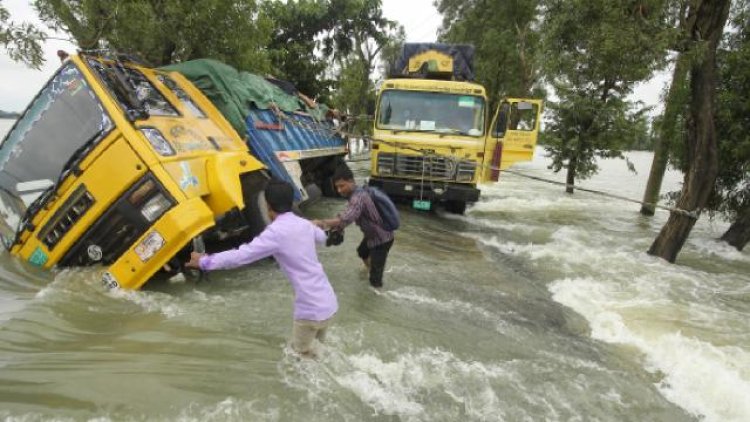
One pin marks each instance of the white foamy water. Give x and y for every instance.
(688, 320)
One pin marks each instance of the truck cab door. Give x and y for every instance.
(512, 136)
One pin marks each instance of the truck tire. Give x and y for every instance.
(313, 193)
(455, 207)
(326, 181)
(256, 210)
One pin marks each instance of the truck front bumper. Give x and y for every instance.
(434, 191)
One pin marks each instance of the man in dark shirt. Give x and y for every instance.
(377, 241)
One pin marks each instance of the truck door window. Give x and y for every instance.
(502, 120)
(523, 116)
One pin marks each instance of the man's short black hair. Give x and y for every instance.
(279, 196)
(342, 173)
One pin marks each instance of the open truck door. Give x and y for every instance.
(512, 136)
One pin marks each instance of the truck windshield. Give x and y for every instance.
(152, 102)
(431, 112)
(63, 118)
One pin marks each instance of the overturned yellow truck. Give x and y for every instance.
(434, 139)
(131, 168)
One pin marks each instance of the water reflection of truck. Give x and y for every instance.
(129, 167)
(432, 142)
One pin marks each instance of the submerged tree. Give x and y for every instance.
(166, 31)
(506, 35)
(23, 42)
(706, 19)
(596, 50)
(668, 127)
(731, 195)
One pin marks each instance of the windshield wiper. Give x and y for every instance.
(124, 88)
(442, 132)
(40, 200)
(76, 157)
(30, 213)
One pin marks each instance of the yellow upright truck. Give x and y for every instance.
(127, 167)
(433, 141)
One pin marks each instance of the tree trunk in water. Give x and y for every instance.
(738, 233)
(706, 27)
(666, 137)
(570, 179)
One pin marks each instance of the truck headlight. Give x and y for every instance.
(158, 141)
(466, 170)
(149, 246)
(155, 207)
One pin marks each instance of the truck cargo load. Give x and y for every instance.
(435, 61)
(293, 136)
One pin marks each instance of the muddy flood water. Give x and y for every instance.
(535, 305)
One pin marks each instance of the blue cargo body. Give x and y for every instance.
(291, 134)
(295, 137)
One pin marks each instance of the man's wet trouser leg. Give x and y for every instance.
(378, 256)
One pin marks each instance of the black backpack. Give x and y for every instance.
(386, 208)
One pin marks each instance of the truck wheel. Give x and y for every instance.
(256, 213)
(256, 210)
(455, 207)
(176, 265)
(313, 193)
(326, 181)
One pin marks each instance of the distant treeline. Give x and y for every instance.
(8, 115)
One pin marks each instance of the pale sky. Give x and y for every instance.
(19, 84)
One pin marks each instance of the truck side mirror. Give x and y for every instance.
(370, 107)
(502, 121)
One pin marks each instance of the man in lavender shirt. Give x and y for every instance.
(291, 241)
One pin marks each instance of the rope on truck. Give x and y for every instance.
(427, 153)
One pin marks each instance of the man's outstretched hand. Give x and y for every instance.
(319, 223)
(194, 262)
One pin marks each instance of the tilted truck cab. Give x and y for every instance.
(433, 140)
(123, 166)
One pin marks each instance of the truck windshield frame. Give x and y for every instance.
(435, 112)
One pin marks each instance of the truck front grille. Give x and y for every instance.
(431, 167)
(117, 229)
(66, 217)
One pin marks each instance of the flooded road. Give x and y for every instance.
(535, 305)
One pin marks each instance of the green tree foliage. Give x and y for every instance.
(22, 42)
(166, 31)
(506, 36)
(731, 196)
(294, 48)
(349, 95)
(391, 53)
(310, 35)
(355, 43)
(596, 50)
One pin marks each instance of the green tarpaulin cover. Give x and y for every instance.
(235, 93)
